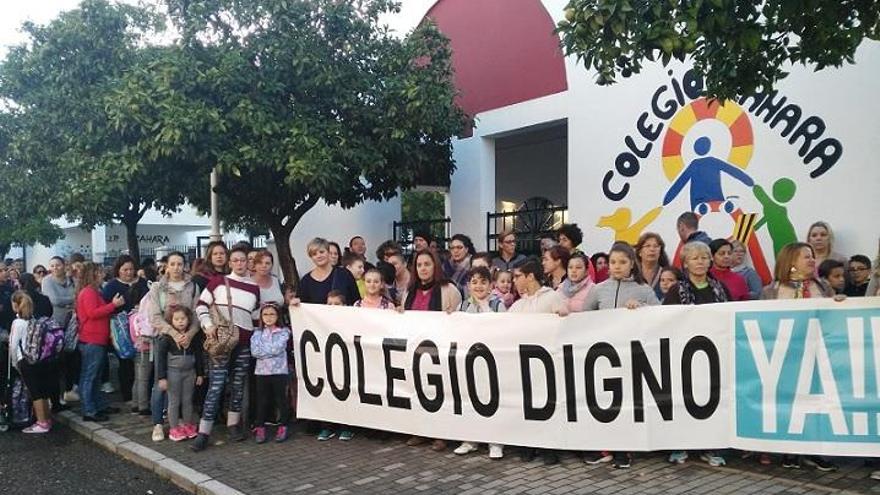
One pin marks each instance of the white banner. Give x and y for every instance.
(777, 376)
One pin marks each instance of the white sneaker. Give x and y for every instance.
(71, 396)
(465, 448)
(875, 475)
(496, 451)
(107, 388)
(158, 433)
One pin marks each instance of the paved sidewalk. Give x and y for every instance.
(369, 465)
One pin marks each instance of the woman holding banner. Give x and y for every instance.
(697, 286)
(794, 278)
(429, 290)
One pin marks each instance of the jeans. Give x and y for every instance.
(239, 366)
(158, 398)
(143, 369)
(93, 359)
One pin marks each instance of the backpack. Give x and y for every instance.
(43, 341)
(140, 329)
(119, 335)
(71, 333)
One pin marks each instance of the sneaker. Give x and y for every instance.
(713, 460)
(38, 427)
(282, 433)
(346, 435)
(191, 431)
(234, 433)
(158, 433)
(875, 475)
(177, 434)
(465, 448)
(678, 457)
(326, 434)
(260, 434)
(496, 451)
(71, 396)
(621, 460)
(820, 464)
(200, 444)
(791, 461)
(107, 388)
(598, 457)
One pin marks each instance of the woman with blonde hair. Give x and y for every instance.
(821, 238)
(794, 278)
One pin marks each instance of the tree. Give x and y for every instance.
(738, 46)
(319, 103)
(25, 213)
(61, 85)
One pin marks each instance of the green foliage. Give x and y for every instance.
(422, 205)
(739, 46)
(308, 101)
(75, 128)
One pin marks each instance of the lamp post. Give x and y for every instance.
(215, 209)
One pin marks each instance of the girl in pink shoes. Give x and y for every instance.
(179, 372)
(39, 377)
(375, 293)
(269, 347)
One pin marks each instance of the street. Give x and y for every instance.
(63, 462)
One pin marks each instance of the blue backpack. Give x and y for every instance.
(120, 336)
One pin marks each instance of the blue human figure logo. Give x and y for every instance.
(704, 176)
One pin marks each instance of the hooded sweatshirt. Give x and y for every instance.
(614, 293)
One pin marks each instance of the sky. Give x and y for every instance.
(42, 11)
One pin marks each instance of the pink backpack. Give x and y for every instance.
(142, 332)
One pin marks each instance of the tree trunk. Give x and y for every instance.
(281, 233)
(131, 237)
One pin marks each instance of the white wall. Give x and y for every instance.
(600, 118)
(372, 220)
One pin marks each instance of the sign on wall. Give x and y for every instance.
(723, 161)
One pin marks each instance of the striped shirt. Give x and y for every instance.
(245, 297)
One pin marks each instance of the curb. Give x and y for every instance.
(189, 479)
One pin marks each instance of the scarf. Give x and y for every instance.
(436, 303)
(687, 291)
(569, 289)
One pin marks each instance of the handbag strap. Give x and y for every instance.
(229, 300)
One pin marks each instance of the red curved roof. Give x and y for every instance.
(504, 51)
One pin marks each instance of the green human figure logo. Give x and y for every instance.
(775, 214)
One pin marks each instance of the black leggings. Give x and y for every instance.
(272, 390)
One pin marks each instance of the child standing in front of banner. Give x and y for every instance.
(375, 292)
(528, 278)
(481, 299)
(269, 347)
(625, 287)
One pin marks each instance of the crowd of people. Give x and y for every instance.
(210, 338)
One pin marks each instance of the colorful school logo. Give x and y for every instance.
(708, 145)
